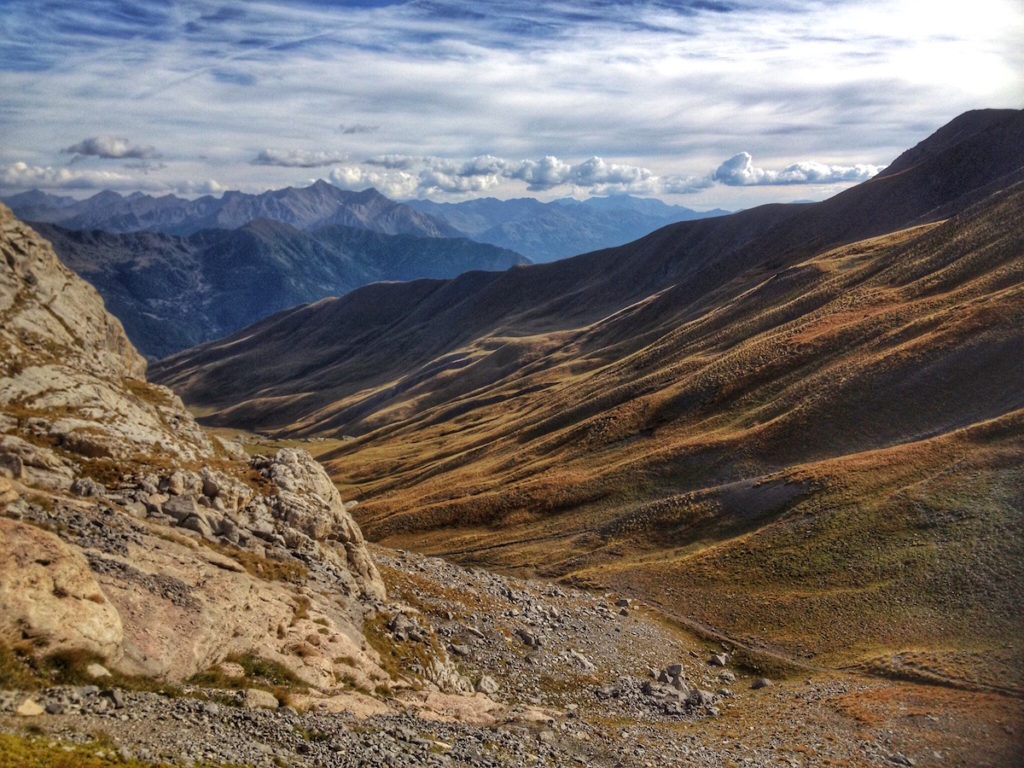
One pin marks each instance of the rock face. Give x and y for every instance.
(309, 502)
(126, 531)
(70, 379)
(48, 592)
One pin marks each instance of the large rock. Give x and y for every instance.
(90, 447)
(48, 593)
(309, 502)
(68, 370)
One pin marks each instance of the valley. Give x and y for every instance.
(746, 491)
(759, 422)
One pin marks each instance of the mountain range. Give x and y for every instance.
(318, 205)
(801, 425)
(172, 292)
(181, 272)
(566, 227)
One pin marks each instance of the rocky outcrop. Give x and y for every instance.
(71, 383)
(128, 532)
(50, 596)
(309, 503)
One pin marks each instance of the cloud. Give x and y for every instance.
(740, 171)
(391, 183)
(421, 176)
(24, 176)
(671, 87)
(297, 158)
(110, 147)
(349, 130)
(207, 187)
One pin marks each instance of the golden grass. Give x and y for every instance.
(645, 450)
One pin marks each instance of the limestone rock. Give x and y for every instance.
(487, 685)
(29, 708)
(47, 591)
(256, 698)
(97, 671)
(309, 503)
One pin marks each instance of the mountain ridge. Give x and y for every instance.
(560, 228)
(319, 204)
(173, 292)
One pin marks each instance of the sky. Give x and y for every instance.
(704, 103)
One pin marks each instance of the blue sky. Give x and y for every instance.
(703, 102)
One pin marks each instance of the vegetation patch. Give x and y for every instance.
(21, 669)
(39, 751)
(266, 568)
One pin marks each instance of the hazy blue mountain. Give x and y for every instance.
(561, 228)
(172, 292)
(317, 205)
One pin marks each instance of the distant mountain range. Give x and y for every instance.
(555, 230)
(172, 292)
(181, 272)
(318, 205)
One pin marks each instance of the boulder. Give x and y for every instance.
(256, 698)
(309, 502)
(29, 708)
(487, 685)
(48, 593)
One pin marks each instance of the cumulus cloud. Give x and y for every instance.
(110, 147)
(24, 176)
(420, 176)
(740, 171)
(297, 158)
(391, 183)
(207, 187)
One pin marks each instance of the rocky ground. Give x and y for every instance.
(566, 678)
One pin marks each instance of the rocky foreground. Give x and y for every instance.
(565, 678)
(167, 598)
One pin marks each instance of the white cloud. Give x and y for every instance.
(668, 87)
(391, 183)
(207, 187)
(739, 170)
(21, 175)
(297, 158)
(110, 147)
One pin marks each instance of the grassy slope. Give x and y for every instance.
(842, 441)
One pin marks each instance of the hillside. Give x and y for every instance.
(818, 406)
(174, 292)
(561, 228)
(320, 204)
(167, 599)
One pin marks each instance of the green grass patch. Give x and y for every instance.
(259, 673)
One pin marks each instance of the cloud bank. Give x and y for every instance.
(110, 148)
(416, 176)
(740, 171)
(297, 158)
